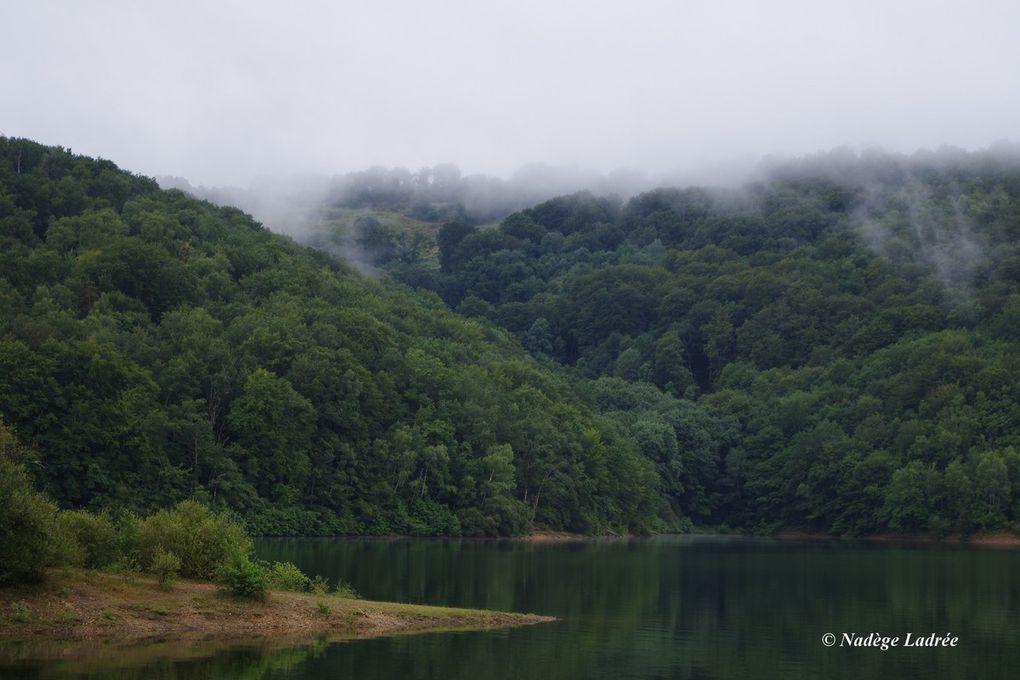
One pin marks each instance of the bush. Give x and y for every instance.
(20, 611)
(243, 576)
(166, 566)
(319, 586)
(30, 535)
(94, 536)
(346, 591)
(286, 576)
(201, 538)
(126, 526)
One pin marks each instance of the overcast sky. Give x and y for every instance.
(221, 91)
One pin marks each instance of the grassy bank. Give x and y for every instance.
(76, 603)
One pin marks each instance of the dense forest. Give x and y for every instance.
(832, 348)
(154, 348)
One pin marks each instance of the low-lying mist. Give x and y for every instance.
(907, 208)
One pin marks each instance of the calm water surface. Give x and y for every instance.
(666, 607)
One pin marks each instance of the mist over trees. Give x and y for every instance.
(832, 348)
(292, 205)
(842, 330)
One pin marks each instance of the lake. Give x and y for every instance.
(664, 607)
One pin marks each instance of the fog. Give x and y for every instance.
(224, 92)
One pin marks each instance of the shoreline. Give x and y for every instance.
(534, 537)
(76, 604)
(996, 539)
(980, 540)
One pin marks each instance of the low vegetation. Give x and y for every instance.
(30, 534)
(166, 566)
(188, 540)
(76, 574)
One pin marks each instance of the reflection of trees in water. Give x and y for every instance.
(102, 660)
(679, 608)
(661, 608)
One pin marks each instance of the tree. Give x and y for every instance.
(30, 537)
(272, 425)
(449, 238)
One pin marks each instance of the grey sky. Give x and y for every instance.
(221, 91)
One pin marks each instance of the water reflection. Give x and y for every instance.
(158, 660)
(676, 607)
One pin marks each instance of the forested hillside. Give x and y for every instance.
(845, 333)
(833, 348)
(154, 347)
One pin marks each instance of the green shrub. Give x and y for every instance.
(319, 586)
(94, 535)
(243, 576)
(323, 608)
(286, 576)
(166, 566)
(126, 525)
(20, 611)
(201, 538)
(30, 535)
(346, 591)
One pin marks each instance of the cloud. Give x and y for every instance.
(222, 92)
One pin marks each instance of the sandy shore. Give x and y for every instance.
(79, 604)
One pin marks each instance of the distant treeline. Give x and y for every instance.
(438, 193)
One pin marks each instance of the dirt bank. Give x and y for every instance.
(85, 604)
